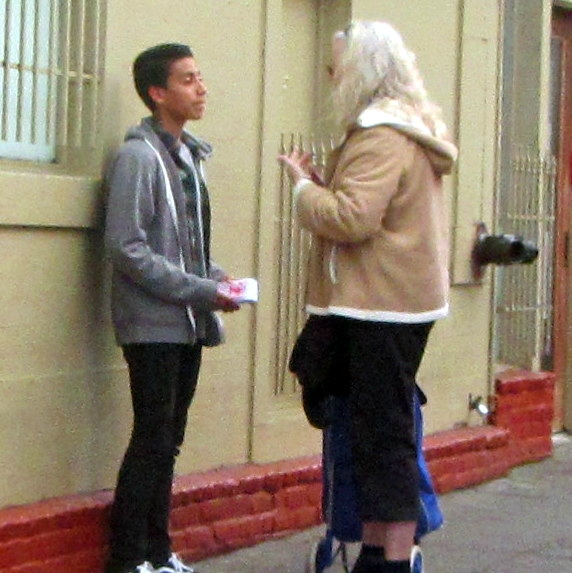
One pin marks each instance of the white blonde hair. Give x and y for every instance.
(376, 66)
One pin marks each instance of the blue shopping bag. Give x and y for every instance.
(339, 497)
(430, 516)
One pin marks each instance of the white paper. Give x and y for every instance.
(240, 290)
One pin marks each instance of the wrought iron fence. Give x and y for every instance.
(294, 244)
(524, 293)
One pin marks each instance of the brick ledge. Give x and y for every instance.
(225, 509)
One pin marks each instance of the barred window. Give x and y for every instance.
(49, 77)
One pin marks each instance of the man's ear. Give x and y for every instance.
(156, 93)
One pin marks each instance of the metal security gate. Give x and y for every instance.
(294, 243)
(51, 57)
(523, 324)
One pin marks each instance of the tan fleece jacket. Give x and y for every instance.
(380, 248)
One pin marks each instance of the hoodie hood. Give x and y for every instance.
(149, 129)
(440, 151)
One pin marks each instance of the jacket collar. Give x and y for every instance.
(199, 148)
(403, 119)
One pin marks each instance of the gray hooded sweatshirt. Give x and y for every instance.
(155, 297)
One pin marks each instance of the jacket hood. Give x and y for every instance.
(440, 151)
(147, 130)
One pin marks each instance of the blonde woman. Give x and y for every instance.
(378, 266)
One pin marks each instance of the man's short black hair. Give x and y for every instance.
(151, 68)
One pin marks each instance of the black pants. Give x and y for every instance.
(382, 361)
(163, 378)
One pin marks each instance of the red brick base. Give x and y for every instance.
(524, 404)
(222, 510)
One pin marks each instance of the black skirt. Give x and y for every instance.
(381, 364)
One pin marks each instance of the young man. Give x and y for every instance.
(165, 289)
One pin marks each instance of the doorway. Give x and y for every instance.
(560, 121)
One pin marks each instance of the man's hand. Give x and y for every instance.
(225, 304)
(224, 300)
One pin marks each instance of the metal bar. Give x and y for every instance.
(282, 278)
(20, 95)
(64, 92)
(550, 254)
(524, 285)
(35, 71)
(296, 238)
(85, 76)
(52, 71)
(79, 83)
(291, 323)
(93, 125)
(540, 276)
(7, 82)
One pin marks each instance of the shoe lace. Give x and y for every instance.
(179, 565)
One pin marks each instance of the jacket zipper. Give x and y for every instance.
(332, 265)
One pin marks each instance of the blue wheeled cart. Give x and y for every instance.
(343, 524)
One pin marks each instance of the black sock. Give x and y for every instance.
(376, 564)
(373, 550)
(395, 567)
(370, 559)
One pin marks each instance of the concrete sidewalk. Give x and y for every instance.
(518, 524)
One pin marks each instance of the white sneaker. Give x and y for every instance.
(145, 567)
(417, 565)
(174, 565)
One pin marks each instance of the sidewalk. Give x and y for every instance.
(518, 524)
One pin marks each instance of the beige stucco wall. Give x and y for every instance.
(64, 405)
